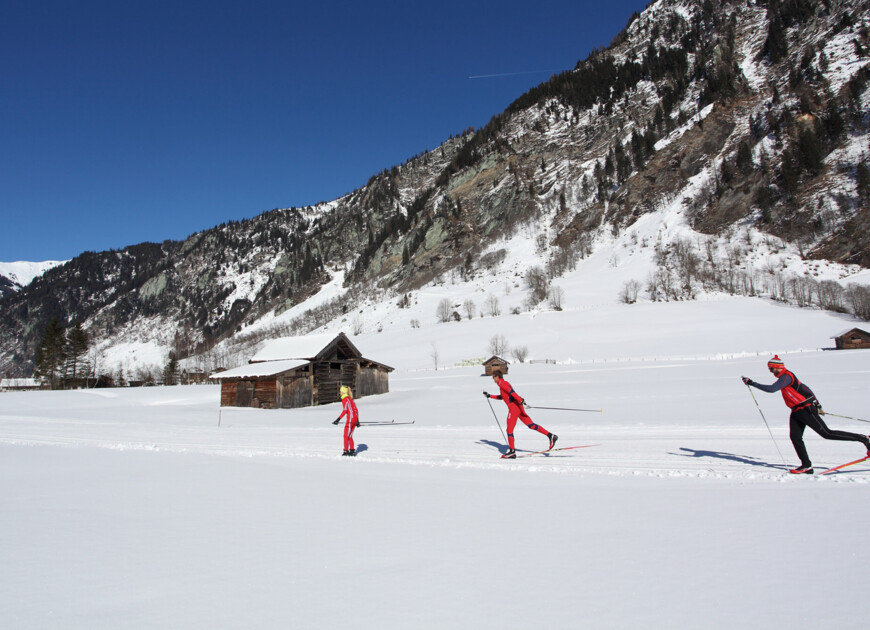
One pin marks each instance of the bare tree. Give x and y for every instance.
(557, 294)
(492, 305)
(498, 345)
(470, 308)
(630, 289)
(520, 353)
(357, 326)
(434, 354)
(443, 310)
(536, 280)
(830, 295)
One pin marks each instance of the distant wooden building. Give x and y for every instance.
(495, 363)
(193, 377)
(302, 372)
(20, 384)
(852, 339)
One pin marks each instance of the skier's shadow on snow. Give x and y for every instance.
(690, 452)
(501, 448)
(361, 448)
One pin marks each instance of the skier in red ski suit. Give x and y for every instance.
(348, 409)
(805, 410)
(516, 411)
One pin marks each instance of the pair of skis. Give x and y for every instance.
(550, 450)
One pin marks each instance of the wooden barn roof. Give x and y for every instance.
(309, 347)
(850, 330)
(261, 369)
(282, 355)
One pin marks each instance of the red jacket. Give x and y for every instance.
(507, 394)
(348, 408)
(796, 394)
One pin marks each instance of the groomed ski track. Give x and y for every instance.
(698, 452)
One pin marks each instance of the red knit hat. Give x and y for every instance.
(775, 362)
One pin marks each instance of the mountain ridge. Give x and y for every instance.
(685, 105)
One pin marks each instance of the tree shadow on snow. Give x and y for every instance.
(752, 461)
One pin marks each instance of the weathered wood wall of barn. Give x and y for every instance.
(372, 380)
(495, 364)
(295, 390)
(265, 393)
(329, 376)
(855, 339)
(228, 393)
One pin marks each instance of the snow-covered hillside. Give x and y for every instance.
(155, 507)
(22, 273)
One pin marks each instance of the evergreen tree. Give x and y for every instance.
(810, 152)
(170, 371)
(51, 353)
(77, 342)
(862, 181)
(776, 45)
(744, 159)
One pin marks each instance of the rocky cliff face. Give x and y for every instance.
(767, 101)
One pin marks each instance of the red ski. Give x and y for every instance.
(835, 468)
(561, 448)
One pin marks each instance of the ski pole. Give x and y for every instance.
(757, 406)
(566, 409)
(496, 420)
(828, 413)
(373, 424)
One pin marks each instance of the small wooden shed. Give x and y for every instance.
(20, 384)
(495, 363)
(852, 339)
(302, 372)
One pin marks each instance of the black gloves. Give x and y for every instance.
(486, 394)
(336, 421)
(747, 381)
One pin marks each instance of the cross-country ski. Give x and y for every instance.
(553, 450)
(842, 466)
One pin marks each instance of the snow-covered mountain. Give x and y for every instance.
(713, 148)
(14, 275)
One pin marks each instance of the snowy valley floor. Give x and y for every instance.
(133, 508)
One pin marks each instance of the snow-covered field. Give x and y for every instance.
(147, 508)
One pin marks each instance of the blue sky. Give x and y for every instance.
(124, 122)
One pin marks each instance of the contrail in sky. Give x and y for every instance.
(510, 74)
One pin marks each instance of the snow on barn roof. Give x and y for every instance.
(19, 383)
(264, 368)
(848, 330)
(306, 347)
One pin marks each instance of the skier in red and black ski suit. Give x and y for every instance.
(348, 409)
(805, 410)
(516, 411)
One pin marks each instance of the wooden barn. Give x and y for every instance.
(302, 372)
(495, 363)
(852, 339)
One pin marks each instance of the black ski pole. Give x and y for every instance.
(767, 425)
(496, 420)
(828, 413)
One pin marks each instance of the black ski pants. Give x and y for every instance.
(809, 417)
